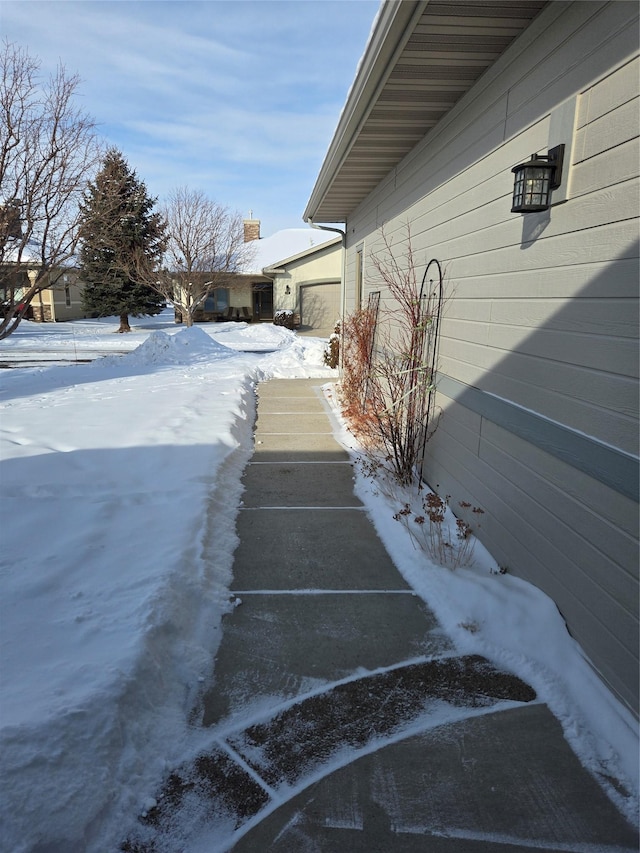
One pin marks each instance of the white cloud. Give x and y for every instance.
(238, 136)
(221, 95)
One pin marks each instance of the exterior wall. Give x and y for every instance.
(240, 297)
(538, 349)
(42, 307)
(68, 304)
(313, 283)
(50, 305)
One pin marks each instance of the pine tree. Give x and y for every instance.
(122, 242)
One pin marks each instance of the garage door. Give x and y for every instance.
(320, 307)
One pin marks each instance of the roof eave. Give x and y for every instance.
(422, 60)
(390, 33)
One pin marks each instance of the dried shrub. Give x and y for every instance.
(331, 354)
(284, 318)
(448, 544)
(357, 342)
(388, 384)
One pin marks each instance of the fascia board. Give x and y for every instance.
(391, 31)
(312, 250)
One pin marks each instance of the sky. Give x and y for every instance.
(236, 98)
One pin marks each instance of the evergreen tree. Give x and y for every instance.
(121, 244)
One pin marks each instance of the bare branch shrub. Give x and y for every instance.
(389, 370)
(387, 394)
(448, 543)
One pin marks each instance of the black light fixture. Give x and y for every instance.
(535, 179)
(287, 290)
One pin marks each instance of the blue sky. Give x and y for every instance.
(237, 98)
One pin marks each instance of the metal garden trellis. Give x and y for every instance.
(407, 370)
(431, 306)
(373, 308)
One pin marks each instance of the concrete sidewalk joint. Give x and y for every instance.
(342, 717)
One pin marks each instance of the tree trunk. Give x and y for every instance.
(188, 319)
(124, 324)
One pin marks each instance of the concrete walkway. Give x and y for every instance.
(343, 718)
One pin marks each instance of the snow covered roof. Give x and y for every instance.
(17, 252)
(285, 244)
(31, 253)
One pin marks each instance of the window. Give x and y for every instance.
(67, 295)
(217, 301)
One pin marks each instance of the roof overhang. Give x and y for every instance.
(421, 58)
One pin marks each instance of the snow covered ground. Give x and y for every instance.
(120, 482)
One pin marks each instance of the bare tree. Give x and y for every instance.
(48, 149)
(205, 250)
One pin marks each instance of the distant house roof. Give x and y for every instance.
(16, 251)
(31, 253)
(283, 245)
(422, 57)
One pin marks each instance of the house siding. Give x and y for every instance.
(315, 278)
(541, 315)
(50, 304)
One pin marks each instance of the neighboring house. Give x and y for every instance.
(237, 301)
(223, 303)
(309, 285)
(538, 350)
(250, 295)
(61, 301)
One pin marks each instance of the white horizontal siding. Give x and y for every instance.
(609, 93)
(491, 228)
(569, 410)
(616, 165)
(545, 283)
(601, 354)
(608, 132)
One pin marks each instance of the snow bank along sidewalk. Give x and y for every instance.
(340, 715)
(120, 484)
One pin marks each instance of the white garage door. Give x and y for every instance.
(320, 307)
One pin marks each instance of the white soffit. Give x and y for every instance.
(422, 57)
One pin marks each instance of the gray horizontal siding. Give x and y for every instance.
(541, 313)
(606, 464)
(538, 528)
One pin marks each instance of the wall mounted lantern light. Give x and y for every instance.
(535, 179)
(287, 290)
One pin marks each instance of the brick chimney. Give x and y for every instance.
(251, 230)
